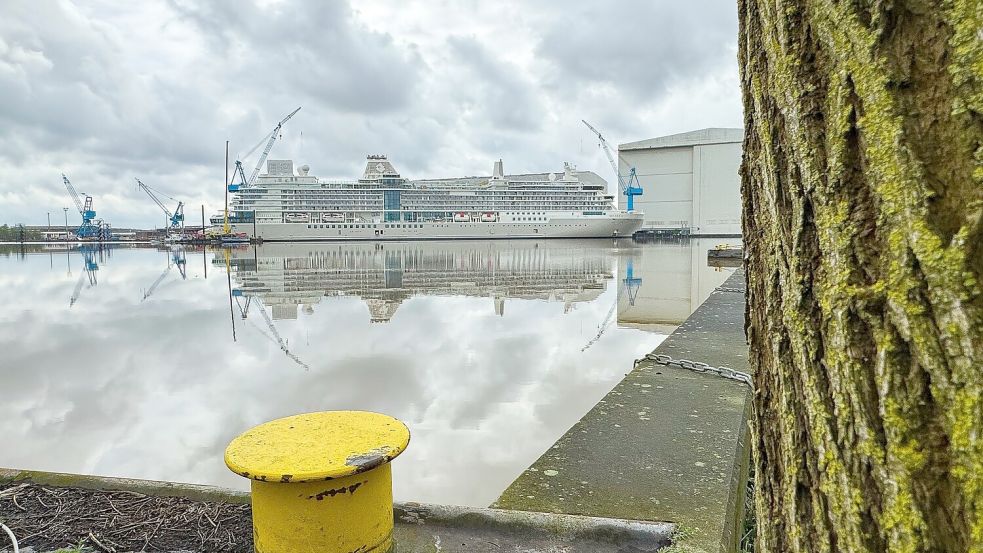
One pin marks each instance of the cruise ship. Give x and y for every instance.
(288, 204)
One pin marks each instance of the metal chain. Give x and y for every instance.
(696, 366)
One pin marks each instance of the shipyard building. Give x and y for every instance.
(690, 181)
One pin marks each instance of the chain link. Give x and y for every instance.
(735, 290)
(697, 366)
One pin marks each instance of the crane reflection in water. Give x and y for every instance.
(244, 302)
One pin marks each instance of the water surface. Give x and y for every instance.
(144, 363)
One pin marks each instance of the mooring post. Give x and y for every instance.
(321, 481)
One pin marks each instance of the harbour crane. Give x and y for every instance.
(243, 181)
(631, 289)
(177, 259)
(91, 267)
(629, 184)
(175, 218)
(83, 202)
(279, 340)
(273, 335)
(244, 301)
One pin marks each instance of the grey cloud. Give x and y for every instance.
(495, 88)
(638, 46)
(77, 92)
(312, 46)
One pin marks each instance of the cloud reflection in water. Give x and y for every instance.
(156, 389)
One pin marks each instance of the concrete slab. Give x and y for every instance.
(665, 444)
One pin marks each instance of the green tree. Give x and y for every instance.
(18, 233)
(863, 224)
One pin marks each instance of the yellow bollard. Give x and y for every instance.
(321, 481)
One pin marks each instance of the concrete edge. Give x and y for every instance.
(570, 526)
(155, 488)
(739, 478)
(738, 481)
(562, 525)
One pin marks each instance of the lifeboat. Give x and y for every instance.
(489, 217)
(332, 217)
(296, 218)
(461, 217)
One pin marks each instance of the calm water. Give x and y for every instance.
(145, 363)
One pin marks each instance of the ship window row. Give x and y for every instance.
(412, 200)
(428, 194)
(560, 206)
(365, 226)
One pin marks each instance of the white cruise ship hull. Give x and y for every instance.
(618, 224)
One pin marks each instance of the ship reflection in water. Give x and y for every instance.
(383, 276)
(489, 350)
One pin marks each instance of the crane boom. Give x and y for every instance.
(77, 290)
(72, 193)
(606, 148)
(269, 146)
(153, 197)
(602, 327)
(630, 187)
(90, 266)
(177, 217)
(279, 340)
(631, 290)
(157, 282)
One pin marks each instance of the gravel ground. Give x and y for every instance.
(48, 518)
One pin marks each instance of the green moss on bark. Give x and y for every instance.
(863, 201)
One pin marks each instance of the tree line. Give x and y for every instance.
(18, 233)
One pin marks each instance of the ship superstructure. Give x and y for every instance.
(287, 204)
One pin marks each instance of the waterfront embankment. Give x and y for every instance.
(666, 444)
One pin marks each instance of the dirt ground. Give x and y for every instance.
(49, 518)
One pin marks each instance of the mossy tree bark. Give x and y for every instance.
(863, 225)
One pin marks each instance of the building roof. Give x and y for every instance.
(713, 135)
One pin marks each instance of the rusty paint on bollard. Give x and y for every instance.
(321, 481)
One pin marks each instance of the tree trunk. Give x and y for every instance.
(863, 226)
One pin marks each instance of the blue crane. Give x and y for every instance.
(247, 299)
(90, 265)
(629, 184)
(88, 228)
(632, 283)
(177, 259)
(175, 218)
(270, 139)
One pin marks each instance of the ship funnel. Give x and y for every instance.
(568, 171)
(497, 172)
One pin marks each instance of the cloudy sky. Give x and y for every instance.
(108, 91)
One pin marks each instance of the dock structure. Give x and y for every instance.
(689, 182)
(667, 443)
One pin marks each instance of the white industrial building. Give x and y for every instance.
(690, 181)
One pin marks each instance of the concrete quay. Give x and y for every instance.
(666, 444)
(419, 528)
